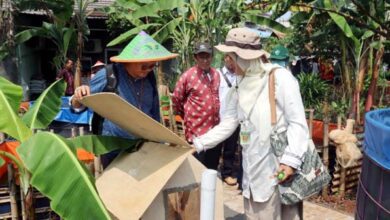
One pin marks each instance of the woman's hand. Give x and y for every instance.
(284, 173)
(79, 93)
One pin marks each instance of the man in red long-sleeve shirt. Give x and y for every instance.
(196, 100)
(67, 74)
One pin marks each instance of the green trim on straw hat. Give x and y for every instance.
(143, 48)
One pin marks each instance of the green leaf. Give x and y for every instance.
(163, 33)
(26, 35)
(127, 4)
(367, 34)
(2, 161)
(3, 51)
(46, 106)
(57, 173)
(128, 34)
(152, 9)
(266, 22)
(67, 37)
(12, 92)
(98, 145)
(10, 123)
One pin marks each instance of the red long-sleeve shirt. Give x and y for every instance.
(196, 100)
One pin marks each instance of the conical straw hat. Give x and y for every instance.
(143, 48)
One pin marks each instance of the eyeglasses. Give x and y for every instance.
(148, 66)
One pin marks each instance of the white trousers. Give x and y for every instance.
(272, 209)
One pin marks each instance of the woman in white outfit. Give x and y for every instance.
(249, 106)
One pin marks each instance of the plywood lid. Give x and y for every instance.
(131, 119)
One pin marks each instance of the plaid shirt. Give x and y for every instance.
(196, 100)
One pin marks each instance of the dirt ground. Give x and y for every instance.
(346, 205)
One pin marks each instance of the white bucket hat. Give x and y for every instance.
(244, 42)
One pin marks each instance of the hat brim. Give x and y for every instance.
(94, 66)
(203, 51)
(116, 59)
(246, 54)
(278, 57)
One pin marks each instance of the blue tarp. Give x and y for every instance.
(66, 115)
(377, 136)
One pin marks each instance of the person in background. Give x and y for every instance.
(280, 55)
(66, 73)
(261, 118)
(196, 100)
(96, 67)
(136, 83)
(229, 171)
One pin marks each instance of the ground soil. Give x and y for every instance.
(346, 204)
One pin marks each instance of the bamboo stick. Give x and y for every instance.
(325, 150)
(12, 194)
(347, 181)
(22, 204)
(342, 183)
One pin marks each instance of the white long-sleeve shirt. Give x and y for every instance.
(259, 161)
(224, 87)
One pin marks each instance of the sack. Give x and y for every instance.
(311, 176)
(307, 181)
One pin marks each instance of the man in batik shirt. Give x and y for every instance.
(196, 100)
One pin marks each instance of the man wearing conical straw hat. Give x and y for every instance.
(136, 82)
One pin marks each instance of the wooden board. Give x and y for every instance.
(131, 119)
(132, 181)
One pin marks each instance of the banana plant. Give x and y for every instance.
(48, 161)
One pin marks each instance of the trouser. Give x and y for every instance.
(230, 147)
(210, 157)
(272, 209)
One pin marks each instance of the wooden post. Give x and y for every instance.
(73, 129)
(342, 183)
(325, 152)
(12, 195)
(338, 122)
(311, 117)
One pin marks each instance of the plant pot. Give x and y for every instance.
(318, 131)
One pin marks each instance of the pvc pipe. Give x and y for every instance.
(207, 197)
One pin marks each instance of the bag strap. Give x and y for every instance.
(226, 79)
(112, 79)
(271, 95)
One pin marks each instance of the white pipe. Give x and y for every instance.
(207, 198)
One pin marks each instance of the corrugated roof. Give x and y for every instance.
(100, 4)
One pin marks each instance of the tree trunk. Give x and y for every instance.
(346, 76)
(374, 79)
(9, 64)
(360, 81)
(80, 44)
(361, 71)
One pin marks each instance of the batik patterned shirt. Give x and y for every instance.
(196, 100)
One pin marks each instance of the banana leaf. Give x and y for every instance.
(257, 19)
(98, 145)
(10, 123)
(163, 33)
(152, 9)
(128, 34)
(2, 161)
(45, 107)
(57, 173)
(12, 92)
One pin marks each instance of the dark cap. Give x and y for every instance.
(203, 47)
